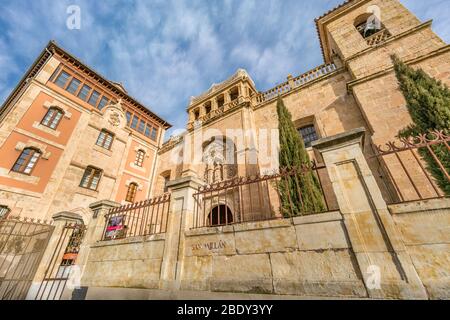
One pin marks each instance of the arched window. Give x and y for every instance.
(371, 28)
(234, 93)
(105, 139)
(4, 210)
(52, 117)
(220, 215)
(196, 114)
(27, 161)
(140, 155)
(91, 178)
(131, 193)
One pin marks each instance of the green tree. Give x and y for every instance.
(428, 103)
(300, 190)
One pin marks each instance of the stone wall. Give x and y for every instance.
(128, 263)
(424, 229)
(366, 249)
(303, 256)
(307, 255)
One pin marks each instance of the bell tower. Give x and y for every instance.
(364, 34)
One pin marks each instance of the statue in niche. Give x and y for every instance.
(220, 161)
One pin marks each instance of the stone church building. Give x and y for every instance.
(201, 212)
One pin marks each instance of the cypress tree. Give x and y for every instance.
(300, 190)
(428, 103)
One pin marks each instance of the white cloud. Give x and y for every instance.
(165, 51)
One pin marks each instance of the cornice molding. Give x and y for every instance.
(388, 41)
(390, 69)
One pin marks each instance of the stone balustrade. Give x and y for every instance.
(216, 113)
(296, 82)
(379, 37)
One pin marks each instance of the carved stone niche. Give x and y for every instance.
(219, 158)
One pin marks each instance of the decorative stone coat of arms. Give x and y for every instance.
(115, 115)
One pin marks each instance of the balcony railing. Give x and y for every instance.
(296, 82)
(379, 37)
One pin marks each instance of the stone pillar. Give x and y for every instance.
(290, 80)
(214, 104)
(180, 219)
(93, 234)
(385, 265)
(59, 222)
(202, 111)
(95, 229)
(337, 62)
(227, 97)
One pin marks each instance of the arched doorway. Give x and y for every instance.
(220, 215)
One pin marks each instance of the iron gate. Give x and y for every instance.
(61, 263)
(22, 244)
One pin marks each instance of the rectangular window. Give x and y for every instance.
(148, 130)
(91, 178)
(308, 134)
(134, 122)
(128, 117)
(73, 86)
(105, 139)
(62, 79)
(84, 92)
(103, 102)
(140, 155)
(94, 98)
(26, 161)
(154, 134)
(52, 78)
(131, 193)
(3, 211)
(141, 126)
(52, 118)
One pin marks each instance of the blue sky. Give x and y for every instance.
(165, 51)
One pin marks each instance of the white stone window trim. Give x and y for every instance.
(39, 126)
(136, 167)
(136, 149)
(146, 155)
(106, 152)
(57, 104)
(130, 181)
(20, 146)
(87, 192)
(5, 173)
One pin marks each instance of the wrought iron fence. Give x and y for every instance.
(138, 219)
(407, 173)
(62, 262)
(22, 244)
(258, 198)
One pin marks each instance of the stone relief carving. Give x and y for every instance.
(220, 161)
(115, 115)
